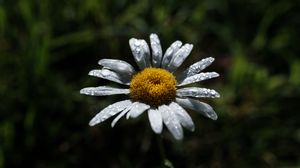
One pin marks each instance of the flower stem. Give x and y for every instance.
(165, 161)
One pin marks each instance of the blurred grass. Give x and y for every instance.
(48, 46)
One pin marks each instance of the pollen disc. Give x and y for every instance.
(153, 86)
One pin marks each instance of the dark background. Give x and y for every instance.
(47, 47)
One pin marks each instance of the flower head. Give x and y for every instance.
(155, 89)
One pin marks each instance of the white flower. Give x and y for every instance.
(154, 89)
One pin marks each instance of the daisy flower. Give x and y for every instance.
(155, 89)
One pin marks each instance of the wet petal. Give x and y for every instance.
(203, 108)
(113, 123)
(109, 111)
(137, 109)
(103, 91)
(155, 120)
(183, 117)
(195, 68)
(119, 66)
(197, 92)
(156, 50)
(179, 57)
(198, 77)
(141, 52)
(170, 52)
(110, 75)
(171, 121)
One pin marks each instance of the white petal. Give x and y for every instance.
(198, 77)
(171, 121)
(110, 75)
(113, 123)
(119, 66)
(170, 52)
(197, 92)
(179, 57)
(203, 108)
(137, 109)
(103, 91)
(133, 105)
(141, 52)
(183, 117)
(156, 50)
(109, 111)
(155, 120)
(195, 68)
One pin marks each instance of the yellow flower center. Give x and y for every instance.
(153, 86)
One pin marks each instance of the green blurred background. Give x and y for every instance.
(47, 47)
